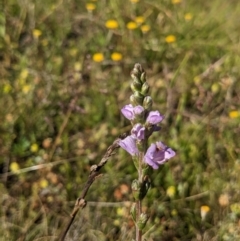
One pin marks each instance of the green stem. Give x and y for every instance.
(139, 202)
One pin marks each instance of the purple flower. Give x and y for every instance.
(130, 112)
(138, 132)
(129, 145)
(157, 154)
(154, 117)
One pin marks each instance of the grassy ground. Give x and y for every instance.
(65, 71)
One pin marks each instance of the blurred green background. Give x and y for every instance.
(65, 74)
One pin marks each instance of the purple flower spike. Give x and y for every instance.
(154, 117)
(138, 132)
(157, 154)
(129, 111)
(129, 145)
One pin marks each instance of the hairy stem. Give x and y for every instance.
(139, 202)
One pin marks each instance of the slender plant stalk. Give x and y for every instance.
(95, 172)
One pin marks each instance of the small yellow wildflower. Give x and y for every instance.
(34, 147)
(234, 114)
(139, 19)
(111, 24)
(43, 183)
(145, 28)
(170, 39)
(134, 1)
(204, 211)
(37, 33)
(131, 25)
(171, 191)
(7, 88)
(176, 1)
(120, 211)
(73, 52)
(77, 66)
(98, 57)
(174, 212)
(90, 6)
(116, 56)
(26, 88)
(215, 88)
(188, 16)
(14, 167)
(24, 74)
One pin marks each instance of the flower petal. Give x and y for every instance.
(129, 145)
(157, 154)
(138, 131)
(138, 110)
(127, 111)
(154, 117)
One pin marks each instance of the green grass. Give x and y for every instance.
(59, 106)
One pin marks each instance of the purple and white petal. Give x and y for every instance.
(157, 154)
(128, 112)
(129, 145)
(154, 117)
(138, 131)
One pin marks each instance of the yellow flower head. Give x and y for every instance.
(77, 66)
(204, 211)
(14, 167)
(134, 1)
(131, 25)
(170, 39)
(145, 28)
(37, 33)
(90, 6)
(171, 191)
(234, 114)
(34, 147)
(116, 56)
(176, 1)
(111, 24)
(188, 16)
(24, 74)
(26, 88)
(7, 88)
(139, 19)
(98, 57)
(174, 212)
(43, 183)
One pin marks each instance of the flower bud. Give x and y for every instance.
(135, 189)
(145, 89)
(133, 100)
(136, 86)
(142, 221)
(136, 98)
(143, 77)
(135, 74)
(147, 103)
(137, 71)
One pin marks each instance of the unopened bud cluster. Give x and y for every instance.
(140, 88)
